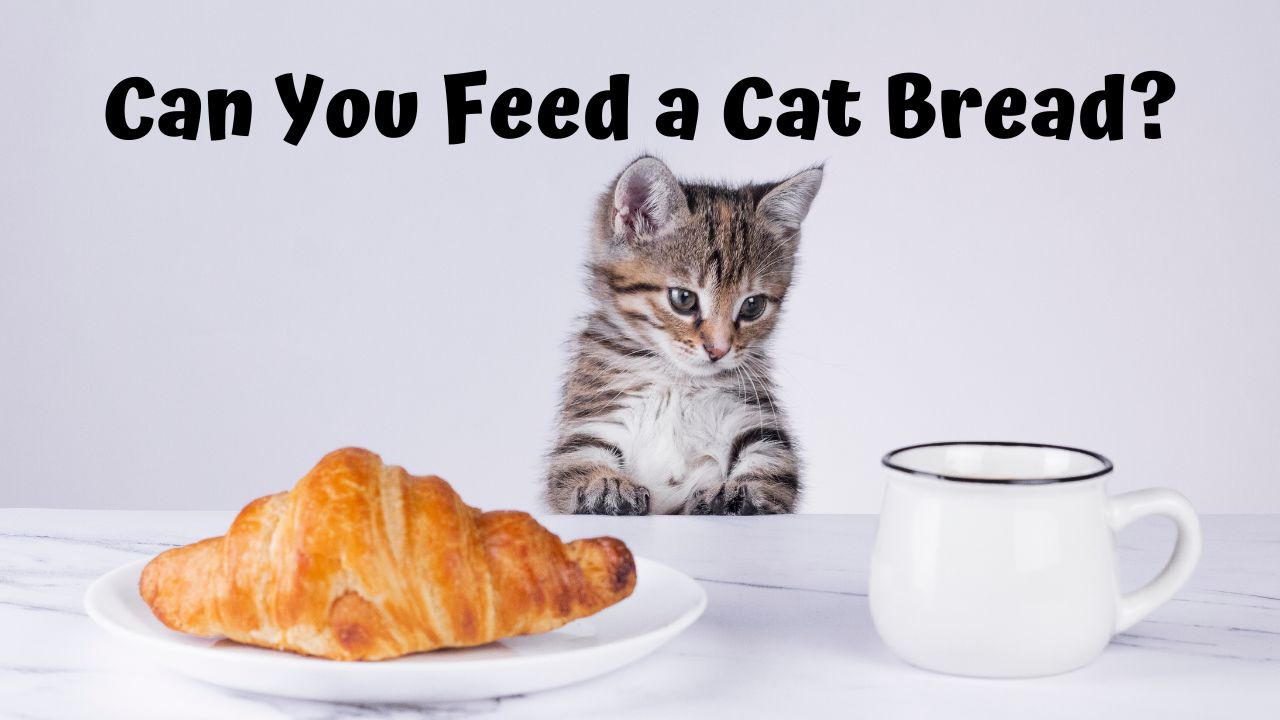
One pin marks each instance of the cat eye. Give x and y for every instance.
(753, 307)
(683, 301)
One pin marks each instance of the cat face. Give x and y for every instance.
(697, 273)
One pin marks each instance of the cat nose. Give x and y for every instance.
(715, 352)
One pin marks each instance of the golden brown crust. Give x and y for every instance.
(362, 561)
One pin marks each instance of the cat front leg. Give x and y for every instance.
(746, 495)
(763, 478)
(586, 478)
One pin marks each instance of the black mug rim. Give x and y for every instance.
(1107, 466)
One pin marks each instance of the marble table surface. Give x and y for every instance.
(786, 632)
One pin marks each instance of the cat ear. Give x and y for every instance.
(788, 202)
(647, 199)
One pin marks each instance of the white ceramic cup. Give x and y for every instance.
(998, 559)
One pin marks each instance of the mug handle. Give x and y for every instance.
(1127, 507)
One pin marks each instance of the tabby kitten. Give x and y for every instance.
(668, 405)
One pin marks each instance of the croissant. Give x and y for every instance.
(362, 561)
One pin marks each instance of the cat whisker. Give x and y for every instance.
(763, 383)
(756, 392)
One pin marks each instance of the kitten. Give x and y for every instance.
(668, 405)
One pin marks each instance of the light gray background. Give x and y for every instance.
(193, 324)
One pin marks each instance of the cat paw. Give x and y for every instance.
(734, 497)
(612, 495)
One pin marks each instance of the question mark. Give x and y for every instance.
(1151, 106)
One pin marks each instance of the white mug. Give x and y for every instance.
(998, 559)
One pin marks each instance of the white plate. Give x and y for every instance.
(664, 603)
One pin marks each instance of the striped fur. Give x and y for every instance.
(664, 412)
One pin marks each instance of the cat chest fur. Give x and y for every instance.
(675, 439)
